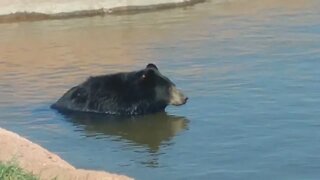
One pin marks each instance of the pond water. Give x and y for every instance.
(250, 70)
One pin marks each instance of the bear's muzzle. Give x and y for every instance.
(177, 98)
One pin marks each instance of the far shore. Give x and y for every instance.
(33, 14)
(42, 163)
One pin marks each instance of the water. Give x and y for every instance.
(250, 69)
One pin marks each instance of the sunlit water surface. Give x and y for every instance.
(250, 68)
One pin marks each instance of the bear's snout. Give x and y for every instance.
(177, 98)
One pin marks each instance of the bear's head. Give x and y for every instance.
(159, 88)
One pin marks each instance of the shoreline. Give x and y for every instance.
(24, 15)
(43, 163)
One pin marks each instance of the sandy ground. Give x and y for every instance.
(63, 6)
(17, 10)
(41, 162)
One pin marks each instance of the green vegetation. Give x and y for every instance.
(11, 171)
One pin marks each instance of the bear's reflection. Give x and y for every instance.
(151, 131)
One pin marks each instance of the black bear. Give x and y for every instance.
(127, 93)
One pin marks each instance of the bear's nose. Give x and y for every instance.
(185, 100)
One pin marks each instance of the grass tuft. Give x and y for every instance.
(11, 171)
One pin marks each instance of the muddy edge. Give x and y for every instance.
(33, 16)
(43, 163)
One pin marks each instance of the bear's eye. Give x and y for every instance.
(143, 76)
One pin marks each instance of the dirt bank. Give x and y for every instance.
(57, 9)
(41, 162)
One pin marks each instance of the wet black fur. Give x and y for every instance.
(130, 93)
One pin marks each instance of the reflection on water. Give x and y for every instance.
(151, 131)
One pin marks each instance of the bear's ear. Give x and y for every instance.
(152, 66)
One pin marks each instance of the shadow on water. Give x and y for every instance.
(150, 131)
